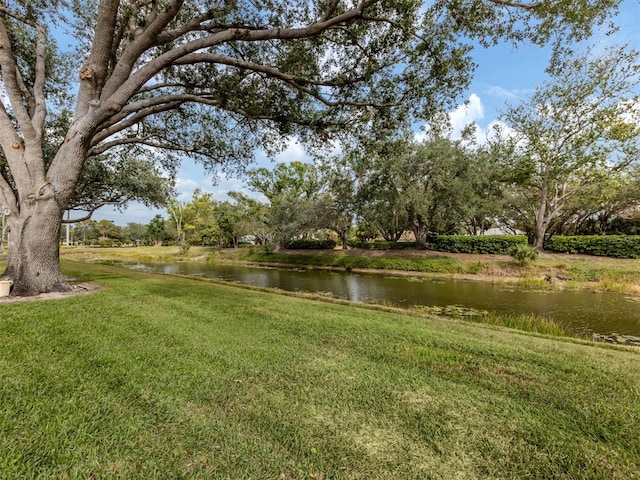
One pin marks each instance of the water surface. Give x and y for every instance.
(579, 311)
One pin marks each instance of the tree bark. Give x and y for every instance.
(34, 249)
(541, 218)
(538, 235)
(420, 230)
(541, 225)
(344, 237)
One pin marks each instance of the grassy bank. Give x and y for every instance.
(159, 377)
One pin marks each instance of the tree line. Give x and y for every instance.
(565, 161)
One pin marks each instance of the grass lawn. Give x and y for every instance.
(165, 377)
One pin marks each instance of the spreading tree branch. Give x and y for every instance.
(124, 83)
(38, 87)
(295, 81)
(13, 83)
(91, 209)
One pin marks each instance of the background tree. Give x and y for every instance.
(606, 207)
(252, 217)
(85, 231)
(133, 233)
(231, 224)
(293, 180)
(484, 206)
(217, 79)
(178, 212)
(441, 188)
(108, 229)
(291, 189)
(156, 232)
(338, 203)
(199, 217)
(435, 186)
(581, 126)
(382, 179)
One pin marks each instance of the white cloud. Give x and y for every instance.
(465, 115)
(471, 114)
(185, 188)
(500, 92)
(293, 153)
(496, 130)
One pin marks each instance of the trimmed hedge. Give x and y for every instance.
(310, 244)
(616, 246)
(486, 244)
(490, 244)
(383, 245)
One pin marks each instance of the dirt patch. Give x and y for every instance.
(76, 289)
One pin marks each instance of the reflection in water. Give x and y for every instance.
(577, 310)
(352, 289)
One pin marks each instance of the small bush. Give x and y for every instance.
(311, 244)
(106, 242)
(616, 246)
(268, 247)
(523, 254)
(373, 245)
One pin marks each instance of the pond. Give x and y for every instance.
(579, 311)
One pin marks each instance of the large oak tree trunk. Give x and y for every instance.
(539, 234)
(34, 248)
(542, 218)
(344, 238)
(420, 230)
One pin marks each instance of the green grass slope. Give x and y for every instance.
(164, 377)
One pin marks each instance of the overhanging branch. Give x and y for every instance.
(93, 209)
(13, 83)
(297, 82)
(123, 84)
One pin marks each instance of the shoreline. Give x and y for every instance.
(550, 271)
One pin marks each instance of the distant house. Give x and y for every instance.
(500, 231)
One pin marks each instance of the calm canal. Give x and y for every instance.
(579, 311)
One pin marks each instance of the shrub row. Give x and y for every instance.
(488, 244)
(382, 245)
(616, 246)
(310, 244)
(492, 244)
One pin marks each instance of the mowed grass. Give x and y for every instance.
(438, 264)
(164, 377)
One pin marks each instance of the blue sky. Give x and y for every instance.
(504, 73)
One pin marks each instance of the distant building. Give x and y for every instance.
(500, 231)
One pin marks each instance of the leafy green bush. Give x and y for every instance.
(108, 242)
(488, 244)
(311, 244)
(403, 245)
(523, 253)
(491, 244)
(184, 248)
(617, 246)
(383, 245)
